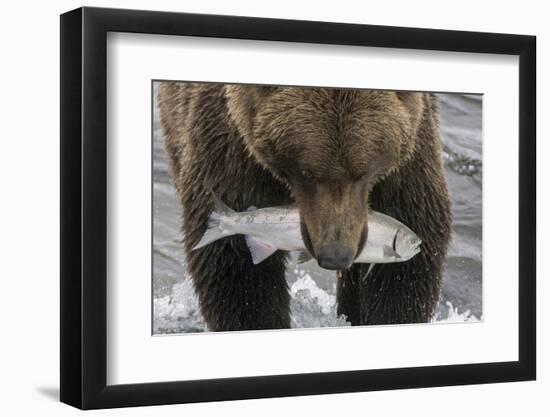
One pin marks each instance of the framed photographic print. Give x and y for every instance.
(257, 207)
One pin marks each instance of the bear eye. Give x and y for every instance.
(284, 175)
(307, 174)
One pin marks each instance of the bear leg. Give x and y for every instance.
(347, 294)
(235, 294)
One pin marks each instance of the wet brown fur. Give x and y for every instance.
(331, 151)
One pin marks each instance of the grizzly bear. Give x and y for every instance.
(334, 153)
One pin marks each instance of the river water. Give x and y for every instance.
(175, 307)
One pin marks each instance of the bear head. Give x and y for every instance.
(329, 147)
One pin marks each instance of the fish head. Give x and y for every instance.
(406, 244)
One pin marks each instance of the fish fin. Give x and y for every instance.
(304, 256)
(214, 230)
(259, 250)
(220, 207)
(368, 271)
(252, 208)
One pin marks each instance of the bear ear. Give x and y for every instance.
(414, 104)
(243, 102)
(413, 101)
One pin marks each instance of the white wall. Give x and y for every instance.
(29, 225)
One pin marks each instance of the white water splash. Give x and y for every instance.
(453, 316)
(178, 312)
(311, 307)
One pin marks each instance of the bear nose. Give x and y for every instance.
(335, 257)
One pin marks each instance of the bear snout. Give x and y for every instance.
(335, 256)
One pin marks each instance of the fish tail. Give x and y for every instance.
(214, 230)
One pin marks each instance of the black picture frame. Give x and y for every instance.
(84, 209)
